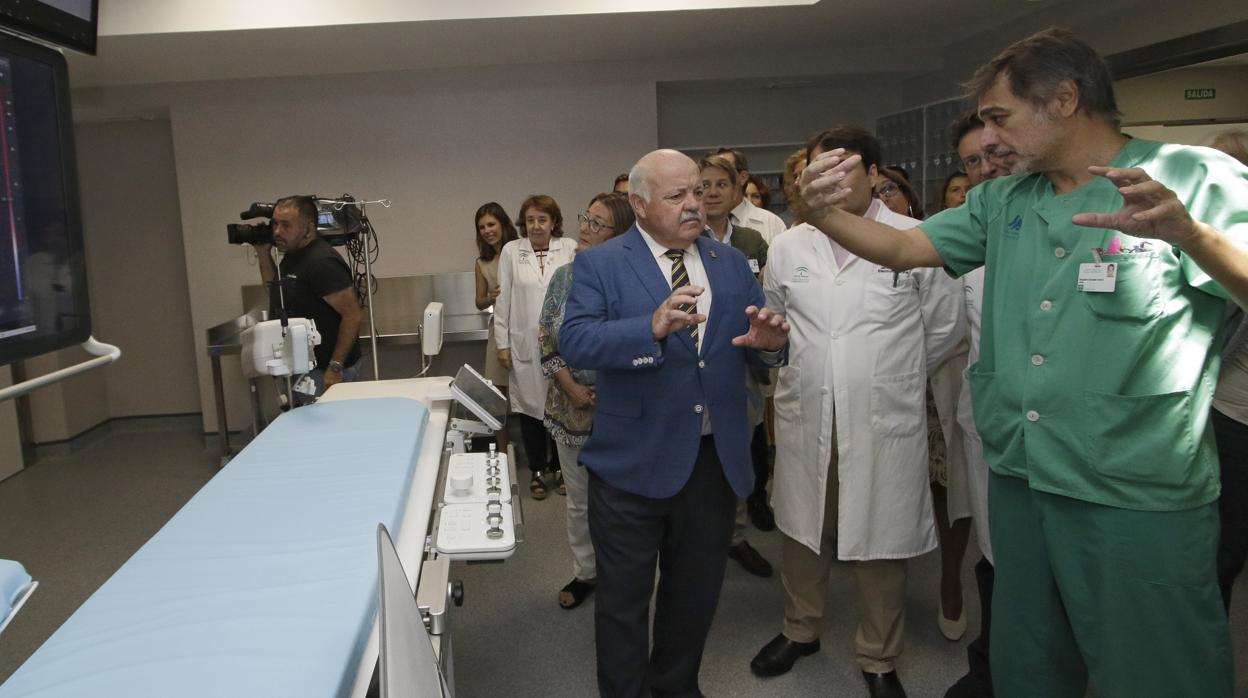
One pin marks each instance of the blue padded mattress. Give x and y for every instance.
(264, 584)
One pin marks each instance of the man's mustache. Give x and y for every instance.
(997, 152)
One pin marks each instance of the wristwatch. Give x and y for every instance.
(335, 366)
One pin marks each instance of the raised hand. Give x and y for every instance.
(820, 182)
(669, 316)
(1149, 209)
(768, 331)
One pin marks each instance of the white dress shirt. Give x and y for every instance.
(697, 277)
(747, 215)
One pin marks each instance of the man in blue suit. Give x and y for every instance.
(669, 319)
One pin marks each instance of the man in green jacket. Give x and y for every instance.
(1108, 261)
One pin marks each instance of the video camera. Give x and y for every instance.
(338, 221)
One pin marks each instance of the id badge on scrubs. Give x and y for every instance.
(754, 266)
(1098, 277)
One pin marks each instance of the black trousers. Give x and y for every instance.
(537, 443)
(1232, 440)
(762, 468)
(686, 535)
(977, 651)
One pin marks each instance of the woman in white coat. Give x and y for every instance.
(525, 268)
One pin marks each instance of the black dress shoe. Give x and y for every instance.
(971, 686)
(750, 559)
(885, 685)
(777, 656)
(760, 514)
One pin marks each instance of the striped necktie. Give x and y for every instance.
(680, 277)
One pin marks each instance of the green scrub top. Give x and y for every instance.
(1103, 397)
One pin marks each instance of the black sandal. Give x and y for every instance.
(561, 488)
(579, 590)
(537, 487)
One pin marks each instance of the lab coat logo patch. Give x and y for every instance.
(1015, 227)
(801, 275)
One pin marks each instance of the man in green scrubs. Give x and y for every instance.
(1108, 263)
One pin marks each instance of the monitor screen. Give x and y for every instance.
(69, 23)
(43, 280)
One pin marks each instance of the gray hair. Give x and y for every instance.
(1233, 142)
(1035, 66)
(639, 182)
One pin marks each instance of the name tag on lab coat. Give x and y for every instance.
(1098, 278)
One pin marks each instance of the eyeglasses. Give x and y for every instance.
(888, 190)
(594, 225)
(971, 162)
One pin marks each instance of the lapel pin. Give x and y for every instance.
(713, 256)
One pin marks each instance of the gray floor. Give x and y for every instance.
(78, 514)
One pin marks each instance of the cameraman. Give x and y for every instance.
(316, 284)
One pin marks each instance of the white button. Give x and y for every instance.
(1033, 416)
(1037, 360)
(1046, 305)
(840, 282)
(697, 409)
(1059, 252)
(835, 336)
(636, 362)
(701, 364)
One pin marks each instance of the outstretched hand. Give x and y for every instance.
(820, 182)
(1148, 210)
(768, 331)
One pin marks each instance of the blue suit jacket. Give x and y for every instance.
(648, 421)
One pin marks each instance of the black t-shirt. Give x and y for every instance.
(308, 275)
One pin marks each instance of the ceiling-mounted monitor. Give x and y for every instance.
(43, 278)
(69, 23)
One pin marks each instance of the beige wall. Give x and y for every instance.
(1110, 27)
(1158, 98)
(436, 144)
(137, 276)
(10, 439)
(755, 114)
(137, 270)
(66, 409)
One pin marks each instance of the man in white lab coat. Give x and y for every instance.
(851, 476)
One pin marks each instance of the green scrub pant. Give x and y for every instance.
(1126, 598)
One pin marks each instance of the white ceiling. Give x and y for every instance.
(129, 17)
(154, 41)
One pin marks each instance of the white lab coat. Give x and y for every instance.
(859, 348)
(976, 467)
(946, 381)
(521, 290)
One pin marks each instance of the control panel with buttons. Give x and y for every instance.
(475, 518)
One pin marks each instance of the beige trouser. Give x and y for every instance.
(576, 479)
(881, 591)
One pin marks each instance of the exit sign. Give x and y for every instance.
(1202, 93)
